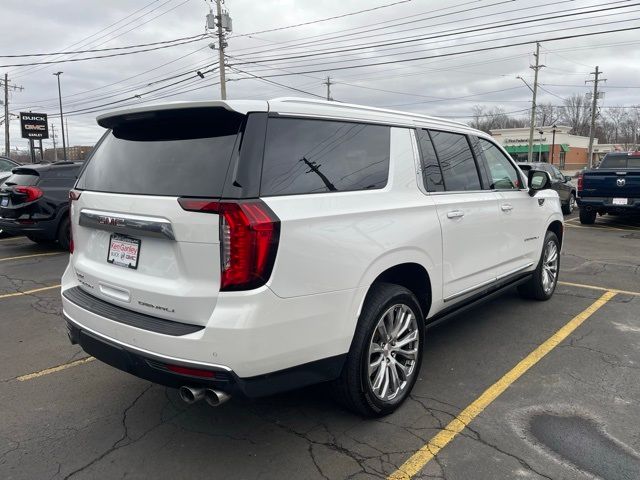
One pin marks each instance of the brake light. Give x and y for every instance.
(32, 193)
(249, 235)
(580, 182)
(73, 195)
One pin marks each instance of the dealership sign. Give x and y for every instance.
(34, 125)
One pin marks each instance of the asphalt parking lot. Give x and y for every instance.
(512, 389)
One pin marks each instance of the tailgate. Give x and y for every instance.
(611, 184)
(134, 245)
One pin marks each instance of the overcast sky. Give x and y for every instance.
(446, 86)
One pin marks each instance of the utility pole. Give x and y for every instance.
(222, 23)
(7, 86)
(315, 168)
(535, 68)
(64, 143)
(328, 84)
(594, 108)
(53, 137)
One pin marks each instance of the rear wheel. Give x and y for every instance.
(570, 206)
(545, 277)
(587, 217)
(64, 233)
(386, 353)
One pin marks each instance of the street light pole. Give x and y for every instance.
(64, 143)
(553, 143)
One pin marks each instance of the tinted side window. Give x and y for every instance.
(503, 175)
(557, 173)
(456, 161)
(315, 156)
(430, 166)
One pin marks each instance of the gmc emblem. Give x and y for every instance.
(621, 182)
(113, 221)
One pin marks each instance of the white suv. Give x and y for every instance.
(250, 247)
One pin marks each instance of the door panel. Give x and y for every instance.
(470, 239)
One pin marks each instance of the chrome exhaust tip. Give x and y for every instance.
(191, 394)
(215, 398)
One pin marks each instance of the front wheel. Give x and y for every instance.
(543, 282)
(386, 352)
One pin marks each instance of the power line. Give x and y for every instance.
(276, 83)
(200, 35)
(102, 56)
(437, 35)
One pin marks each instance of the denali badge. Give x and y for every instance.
(113, 221)
(621, 182)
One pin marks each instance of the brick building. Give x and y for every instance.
(567, 151)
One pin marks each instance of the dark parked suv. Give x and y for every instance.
(34, 201)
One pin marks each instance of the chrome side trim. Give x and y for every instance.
(524, 267)
(484, 284)
(469, 290)
(125, 223)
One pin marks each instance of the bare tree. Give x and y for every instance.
(547, 114)
(487, 119)
(614, 120)
(575, 114)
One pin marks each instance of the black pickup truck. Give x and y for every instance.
(613, 187)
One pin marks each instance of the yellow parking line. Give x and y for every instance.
(423, 456)
(598, 227)
(48, 371)
(595, 287)
(28, 292)
(31, 256)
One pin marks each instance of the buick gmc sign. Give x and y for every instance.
(34, 125)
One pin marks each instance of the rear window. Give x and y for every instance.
(314, 156)
(173, 153)
(620, 161)
(22, 179)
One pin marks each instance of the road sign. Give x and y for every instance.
(34, 125)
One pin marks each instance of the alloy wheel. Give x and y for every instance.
(393, 352)
(550, 262)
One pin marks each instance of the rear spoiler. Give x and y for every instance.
(25, 171)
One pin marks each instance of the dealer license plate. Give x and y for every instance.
(123, 251)
(619, 201)
(4, 202)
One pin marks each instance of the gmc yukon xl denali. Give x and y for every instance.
(613, 187)
(296, 242)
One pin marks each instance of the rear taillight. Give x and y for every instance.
(73, 195)
(580, 182)
(249, 234)
(32, 193)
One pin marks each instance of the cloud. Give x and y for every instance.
(456, 82)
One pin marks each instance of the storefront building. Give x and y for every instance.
(553, 145)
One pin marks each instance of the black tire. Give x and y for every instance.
(39, 240)
(64, 233)
(570, 205)
(534, 288)
(353, 388)
(587, 217)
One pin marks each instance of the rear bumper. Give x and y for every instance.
(605, 204)
(154, 368)
(45, 229)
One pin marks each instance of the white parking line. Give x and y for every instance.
(28, 292)
(20, 257)
(47, 371)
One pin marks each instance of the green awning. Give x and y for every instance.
(544, 148)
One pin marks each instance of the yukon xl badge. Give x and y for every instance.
(621, 182)
(113, 221)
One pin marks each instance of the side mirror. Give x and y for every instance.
(538, 180)
(568, 178)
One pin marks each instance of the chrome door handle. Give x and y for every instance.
(455, 214)
(506, 207)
